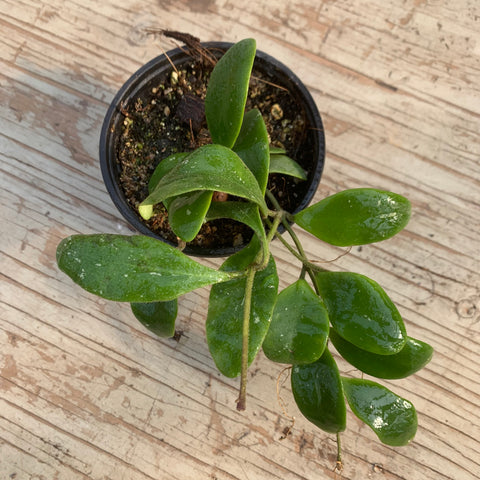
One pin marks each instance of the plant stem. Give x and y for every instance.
(274, 201)
(286, 224)
(303, 272)
(274, 226)
(286, 219)
(260, 263)
(242, 399)
(295, 239)
(266, 250)
(339, 464)
(307, 266)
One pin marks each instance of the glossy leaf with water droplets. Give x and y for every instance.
(299, 329)
(412, 357)
(213, 168)
(133, 268)
(227, 92)
(361, 312)
(356, 217)
(252, 146)
(287, 166)
(318, 392)
(392, 418)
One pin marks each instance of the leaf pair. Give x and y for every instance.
(245, 133)
(368, 329)
(236, 163)
(319, 392)
(357, 307)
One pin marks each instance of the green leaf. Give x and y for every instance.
(361, 312)
(227, 92)
(167, 164)
(277, 150)
(158, 317)
(287, 166)
(246, 213)
(252, 146)
(318, 392)
(411, 358)
(298, 332)
(164, 167)
(356, 217)
(211, 167)
(186, 213)
(391, 417)
(225, 311)
(132, 268)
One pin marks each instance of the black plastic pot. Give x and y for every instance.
(141, 83)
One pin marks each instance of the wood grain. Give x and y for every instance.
(85, 391)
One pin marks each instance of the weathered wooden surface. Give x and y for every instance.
(85, 391)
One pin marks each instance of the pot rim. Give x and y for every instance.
(140, 79)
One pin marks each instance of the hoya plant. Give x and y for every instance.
(298, 326)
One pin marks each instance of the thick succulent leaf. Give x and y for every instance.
(411, 358)
(164, 167)
(211, 167)
(132, 268)
(356, 217)
(361, 312)
(318, 392)
(186, 213)
(158, 317)
(252, 146)
(391, 417)
(287, 166)
(246, 213)
(227, 92)
(299, 329)
(225, 311)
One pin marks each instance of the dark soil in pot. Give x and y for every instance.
(166, 115)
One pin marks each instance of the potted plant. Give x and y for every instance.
(246, 313)
(160, 111)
